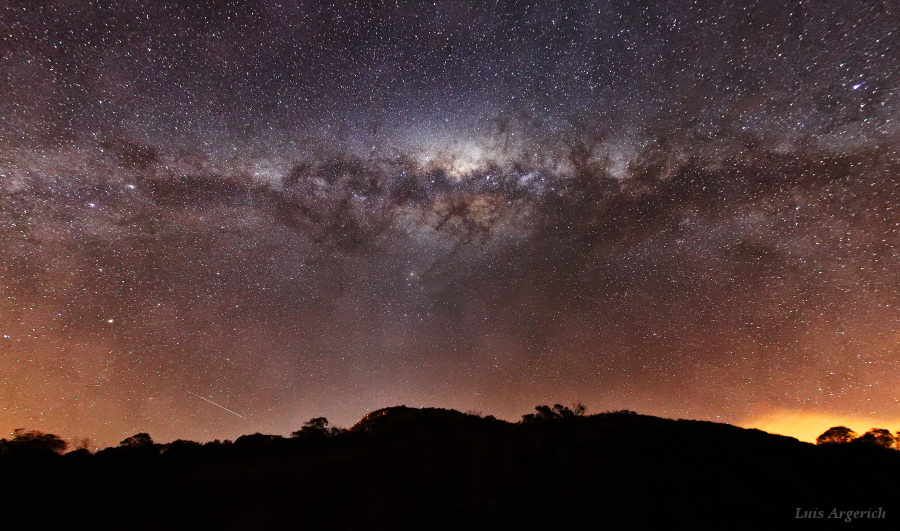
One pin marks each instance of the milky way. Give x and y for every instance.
(296, 209)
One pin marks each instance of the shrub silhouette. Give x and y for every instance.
(317, 427)
(878, 437)
(138, 440)
(836, 435)
(36, 442)
(558, 411)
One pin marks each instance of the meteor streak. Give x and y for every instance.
(217, 405)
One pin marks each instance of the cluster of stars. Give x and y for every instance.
(288, 210)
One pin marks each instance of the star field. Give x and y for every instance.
(299, 209)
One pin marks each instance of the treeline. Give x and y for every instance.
(410, 468)
(34, 443)
(876, 436)
(314, 432)
(318, 431)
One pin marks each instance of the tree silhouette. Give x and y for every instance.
(138, 440)
(36, 442)
(316, 427)
(879, 437)
(836, 434)
(558, 411)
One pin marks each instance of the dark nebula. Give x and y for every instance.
(299, 209)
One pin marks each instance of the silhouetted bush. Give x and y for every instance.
(139, 440)
(35, 442)
(836, 435)
(878, 437)
(317, 427)
(556, 412)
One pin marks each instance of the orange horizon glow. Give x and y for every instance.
(807, 425)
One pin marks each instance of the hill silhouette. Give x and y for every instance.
(408, 468)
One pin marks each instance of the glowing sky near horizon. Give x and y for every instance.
(300, 209)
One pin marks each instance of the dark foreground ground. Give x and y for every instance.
(405, 468)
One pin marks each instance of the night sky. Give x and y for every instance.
(293, 209)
